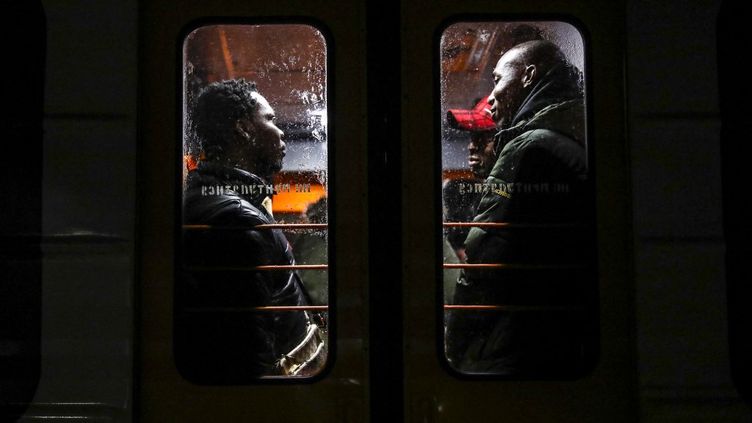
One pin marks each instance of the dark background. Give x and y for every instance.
(89, 184)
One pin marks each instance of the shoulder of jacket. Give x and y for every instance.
(224, 208)
(250, 212)
(536, 138)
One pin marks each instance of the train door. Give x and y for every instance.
(307, 62)
(456, 60)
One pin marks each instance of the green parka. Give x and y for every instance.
(538, 186)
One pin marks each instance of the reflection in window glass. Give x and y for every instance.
(519, 276)
(252, 286)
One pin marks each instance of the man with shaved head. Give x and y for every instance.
(536, 191)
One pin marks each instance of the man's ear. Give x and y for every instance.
(529, 75)
(243, 129)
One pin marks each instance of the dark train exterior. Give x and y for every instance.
(91, 298)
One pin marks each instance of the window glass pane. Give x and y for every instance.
(252, 278)
(519, 276)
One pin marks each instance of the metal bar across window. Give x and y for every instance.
(511, 225)
(315, 226)
(264, 267)
(255, 309)
(471, 307)
(511, 266)
(484, 307)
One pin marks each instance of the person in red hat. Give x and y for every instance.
(478, 122)
(460, 201)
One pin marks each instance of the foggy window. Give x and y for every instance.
(519, 275)
(252, 285)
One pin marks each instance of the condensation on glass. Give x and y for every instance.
(252, 285)
(519, 275)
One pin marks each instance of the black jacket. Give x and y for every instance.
(223, 341)
(539, 178)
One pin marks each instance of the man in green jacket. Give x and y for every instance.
(537, 188)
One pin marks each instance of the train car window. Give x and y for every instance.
(252, 288)
(519, 274)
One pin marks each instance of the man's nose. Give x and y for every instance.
(491, 100)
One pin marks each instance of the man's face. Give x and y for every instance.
(481, 157)
(508, 90)
(265, 148)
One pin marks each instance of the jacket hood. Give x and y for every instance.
(562, 83)
(556, 103)
(566, 118)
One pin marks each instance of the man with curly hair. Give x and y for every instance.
(228, 339)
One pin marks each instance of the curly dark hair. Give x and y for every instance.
(216, 110)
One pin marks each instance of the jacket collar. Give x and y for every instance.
(215, 174)
(560, 83)
(566, 118)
